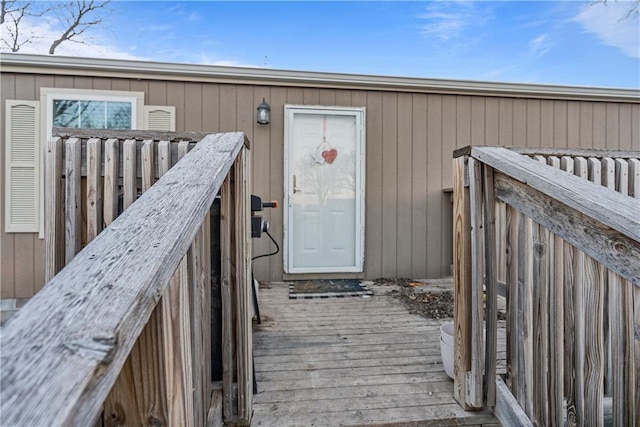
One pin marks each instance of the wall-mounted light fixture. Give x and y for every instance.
(263, 113)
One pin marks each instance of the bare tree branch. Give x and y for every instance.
(6, 8)
(634, 7)
(76, 20)
(15, 13)
(74, 16)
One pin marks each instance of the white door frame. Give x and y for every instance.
(359, 114)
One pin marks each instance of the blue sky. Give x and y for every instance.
(557, 42)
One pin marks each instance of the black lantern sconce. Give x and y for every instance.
(263, 113)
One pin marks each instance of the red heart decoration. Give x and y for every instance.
(330, 155)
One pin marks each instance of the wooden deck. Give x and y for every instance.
(351, 361)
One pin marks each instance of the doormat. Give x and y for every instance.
(309, 289)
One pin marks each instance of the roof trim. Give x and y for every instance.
(46, 64)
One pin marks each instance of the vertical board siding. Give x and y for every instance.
(406, 176)
(389, 184)
(586, 125)
(7, 276)
(210, 108)
(176, 97)
(419, 188)
(478, 121)
(533, 123)
(409, 143)
(276, 175)
(435, 198)
(192, 107)
(546, 124)
(157, 93)
(505, 132)
(373, 194)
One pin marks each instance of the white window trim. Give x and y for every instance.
(47, 95)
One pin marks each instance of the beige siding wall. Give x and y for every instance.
(410, 138)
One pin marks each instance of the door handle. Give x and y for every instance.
(294, 184)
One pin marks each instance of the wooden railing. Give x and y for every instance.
(122, 334)
(568, 246)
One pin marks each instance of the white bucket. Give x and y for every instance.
(446, 347)
(446, 333)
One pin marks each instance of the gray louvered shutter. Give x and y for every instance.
(160, 118)
(22, 190)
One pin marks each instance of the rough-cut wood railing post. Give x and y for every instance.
(634, 191)
(595, 325)
(490, 253)
(147, 161)
(155, 385)
(541, 335)
(54, 212)
(200, 301)
(243, 289)
(566, 164)
(129, 174)
(634, 178)
(164, 157)
(73, 200)
(111, 181)
(622, 351)
(556, 323)
(513, 219)
(475, 375)
(177, 352)
(541, 308)
(636, 354)
(576, 406)
(94, 188)
(227, 303)
(501, 241)
(524, 392)
(462, 280)
(621, 308)
(88, 318)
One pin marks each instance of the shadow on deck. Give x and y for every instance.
(351, 361)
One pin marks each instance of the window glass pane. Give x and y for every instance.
(92, 114)
(118, 115)
(66, 113)
(70, 113)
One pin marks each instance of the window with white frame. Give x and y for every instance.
(29, 123)
(92, 109)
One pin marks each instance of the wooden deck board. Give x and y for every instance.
(351, 361)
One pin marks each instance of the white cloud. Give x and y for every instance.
(157, 28)
(447, 20)
(610, 23)
(540, 45)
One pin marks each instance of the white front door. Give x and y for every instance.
(324, 187)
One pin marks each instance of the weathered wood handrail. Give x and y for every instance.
(569, 205)
(64, 350)
(567, 243)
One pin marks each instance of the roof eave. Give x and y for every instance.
(45, 64)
